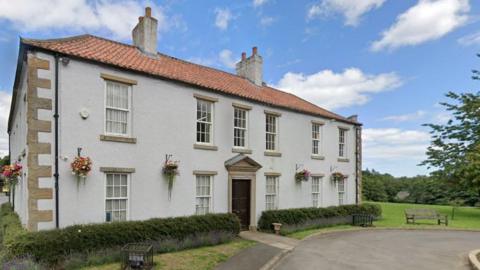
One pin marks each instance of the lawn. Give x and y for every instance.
(204, 258)
(393, 215)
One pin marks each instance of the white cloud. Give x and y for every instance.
(472, 39)
(223, 59)
(267, 21)
(352, 10)
(226, 58)
(394, 144)
(5, 99)
(116, 18)
(223, 18)
(257, 3)
(336, 90)
(427, 20)
(405, 117)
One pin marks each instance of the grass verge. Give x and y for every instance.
(203, 258)
(393, 216)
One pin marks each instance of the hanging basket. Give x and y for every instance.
(302, 175)
(338, 176)
(81, 166)
(11, 173)
(170, 170)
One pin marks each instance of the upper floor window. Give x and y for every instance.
(271, 131)
(316, 133)
(117, 106)
(316, 191)
(203, 194)
(204, 121)
(240, 127)
(271, 194)
(342, 148)
(116, 197)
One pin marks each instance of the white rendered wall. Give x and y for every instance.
(18, 144)
(164, 116)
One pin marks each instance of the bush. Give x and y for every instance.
(301, 218)
(10, 225)
(54, 246)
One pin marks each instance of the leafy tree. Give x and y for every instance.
(455, 148)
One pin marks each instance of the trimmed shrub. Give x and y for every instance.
(303, 218)
(53, 246)
(10, 225)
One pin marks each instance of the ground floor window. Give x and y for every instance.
(316, 191)
(116, 197)
(271, 195)
(341, 192)
(203, 194)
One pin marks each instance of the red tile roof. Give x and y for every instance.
(129, 57)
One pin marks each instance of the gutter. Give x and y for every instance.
(56, 175)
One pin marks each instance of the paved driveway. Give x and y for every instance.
(384, 249)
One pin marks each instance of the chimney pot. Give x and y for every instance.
(251, 68)
(144, 34)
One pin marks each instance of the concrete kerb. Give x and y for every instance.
(473, 259)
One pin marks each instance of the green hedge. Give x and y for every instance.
(299, 216)
(10, 225)
(53, 246)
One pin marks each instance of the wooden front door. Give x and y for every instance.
(241, 201)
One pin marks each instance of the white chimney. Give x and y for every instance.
(145, 33)
(251, 68)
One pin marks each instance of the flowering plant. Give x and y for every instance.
(170, 170)
(81, 166)
(11, 173)
(302, 175)
(338, 176)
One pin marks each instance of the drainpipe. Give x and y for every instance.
(56, 175)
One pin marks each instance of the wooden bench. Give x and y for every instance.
(423, 213)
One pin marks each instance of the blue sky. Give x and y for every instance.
(388, 61)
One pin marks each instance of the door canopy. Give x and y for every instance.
(242, 163)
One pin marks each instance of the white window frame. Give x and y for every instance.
(129, 110)
(275, 133)
(276, 180)
(317, 192)
(318, 139)
(127, 198)
(210, 196)
(342, 194)
(211, 123)
(241, 128)
(342, 142)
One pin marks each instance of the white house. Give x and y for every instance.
(238, 141)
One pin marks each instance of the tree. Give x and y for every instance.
(455, 148)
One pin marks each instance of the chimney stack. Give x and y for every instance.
(145, 33)
(251, 68)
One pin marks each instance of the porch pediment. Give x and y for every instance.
(243, 163)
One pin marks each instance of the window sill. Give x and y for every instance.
(205, 147)
(241, 150)
(111, 138)
(272, 154)
(343, 160)
(317, 157)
